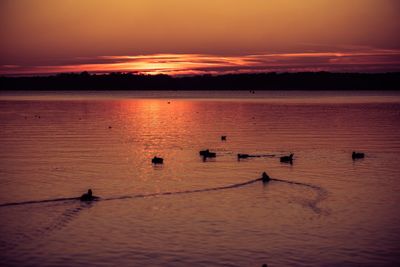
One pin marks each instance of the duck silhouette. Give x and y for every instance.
(157, 160)
(88, 196)
(265, 178)
(287, 159)
(207, 154)
(204, 152)
(357, 155)
(242, 156)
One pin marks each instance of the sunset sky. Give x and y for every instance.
(194, 37)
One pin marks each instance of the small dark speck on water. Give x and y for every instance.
(109, 127)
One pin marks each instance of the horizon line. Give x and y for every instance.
(84, 72)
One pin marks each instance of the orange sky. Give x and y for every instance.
(208, 36)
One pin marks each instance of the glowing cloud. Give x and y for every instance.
(371, 60)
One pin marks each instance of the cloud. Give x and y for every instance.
(364, 60)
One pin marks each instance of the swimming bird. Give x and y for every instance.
(265, 178)
(357, 155)
(287, 159)
(223, 138)
(157, 160)
(243, 156)
(204, 152)
(88, 196)
(207, 154)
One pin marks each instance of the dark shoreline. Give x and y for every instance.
(260, 81)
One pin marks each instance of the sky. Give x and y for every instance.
(186, 37)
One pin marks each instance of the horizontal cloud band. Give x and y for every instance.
(373, 60)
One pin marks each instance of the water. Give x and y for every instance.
(194, 213)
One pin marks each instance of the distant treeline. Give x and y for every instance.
(261, 81)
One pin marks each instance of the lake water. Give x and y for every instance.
(338, 212)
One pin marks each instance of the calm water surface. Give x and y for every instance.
(340, 213)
